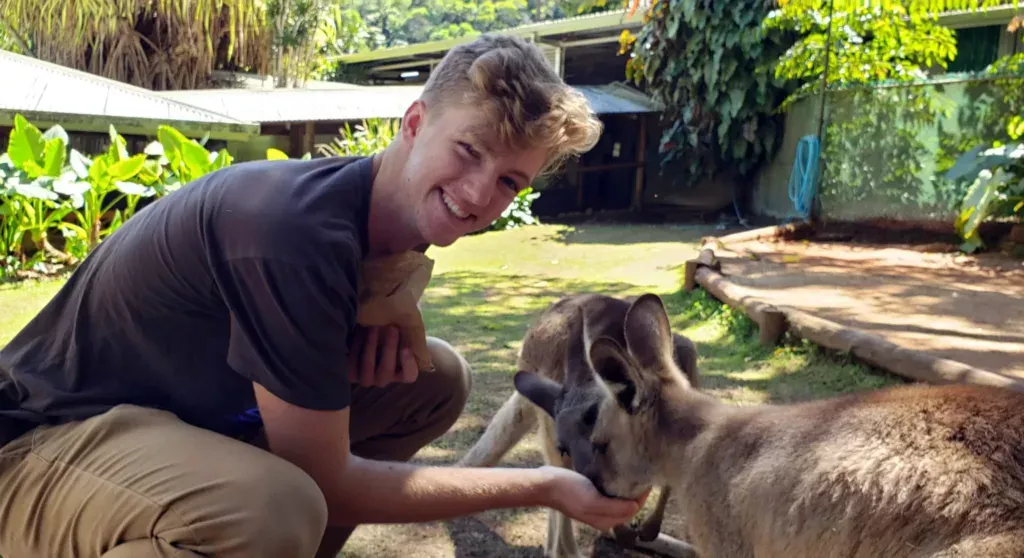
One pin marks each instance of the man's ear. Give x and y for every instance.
(542, 392)
(414, 119)
(612, 366)
(648, 332)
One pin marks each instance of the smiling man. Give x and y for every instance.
(199, 386)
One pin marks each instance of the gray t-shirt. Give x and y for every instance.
(248, 274)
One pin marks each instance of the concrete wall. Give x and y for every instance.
(886, 150)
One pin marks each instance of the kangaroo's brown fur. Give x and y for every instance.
(555, 351)
(906, 472)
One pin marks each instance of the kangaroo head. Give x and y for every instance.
(608, 424)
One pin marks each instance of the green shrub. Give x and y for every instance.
(50, 190)
(518, 213)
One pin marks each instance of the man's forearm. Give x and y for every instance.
(390, 492)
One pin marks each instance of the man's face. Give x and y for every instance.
(460, 179)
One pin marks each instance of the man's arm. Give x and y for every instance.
(366, 491)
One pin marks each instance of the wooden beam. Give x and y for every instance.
(607, 167)
(579, 189)
(309, 138)
(909, 363)
(641, 157)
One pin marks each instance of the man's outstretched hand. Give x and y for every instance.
(575, 496)
(377, 358)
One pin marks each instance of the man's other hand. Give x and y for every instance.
(379, 359)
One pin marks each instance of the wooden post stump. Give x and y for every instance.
(707, 258)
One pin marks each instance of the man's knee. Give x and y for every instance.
(452, 373)
(289, 511)
(452, 379)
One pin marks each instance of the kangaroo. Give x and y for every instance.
(911, 471)
(555, 351)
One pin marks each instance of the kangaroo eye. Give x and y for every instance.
(601, 449)
(564, 452)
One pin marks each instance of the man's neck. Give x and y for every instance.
(390, 225)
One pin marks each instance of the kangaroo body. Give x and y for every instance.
(916, 471)
(907, 472)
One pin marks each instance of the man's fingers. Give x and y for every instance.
(369, 365)
(615, 508)
(389, 356)
(410, 370)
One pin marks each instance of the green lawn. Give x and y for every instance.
(486, 290)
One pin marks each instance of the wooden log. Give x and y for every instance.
(763, 233)
(876, 351)
(771, 322)
(706, 257)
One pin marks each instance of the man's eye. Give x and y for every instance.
(468, 148)
(510, 183)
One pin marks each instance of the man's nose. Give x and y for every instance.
(477, 189)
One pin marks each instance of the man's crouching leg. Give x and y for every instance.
(394, 422)
(137, 482)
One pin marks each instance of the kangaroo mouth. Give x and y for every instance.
(599, 485)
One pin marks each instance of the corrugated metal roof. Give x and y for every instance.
(386, 101)
(36, 86)
(302, 105)
(618, 98)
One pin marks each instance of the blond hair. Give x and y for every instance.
(527, 102)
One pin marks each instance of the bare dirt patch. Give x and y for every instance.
(909, 286)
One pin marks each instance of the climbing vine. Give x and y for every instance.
(711, 64)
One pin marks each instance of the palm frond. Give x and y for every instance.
(129, 40)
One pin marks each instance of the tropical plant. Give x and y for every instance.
(996, 175)
(711, 65)
(47, 188)
(518, 213)
(369, 137)
(157, 44)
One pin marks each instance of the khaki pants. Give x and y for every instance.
(136, 482)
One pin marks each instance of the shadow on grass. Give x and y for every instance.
(475, 539)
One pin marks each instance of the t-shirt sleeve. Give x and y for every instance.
(290, 323)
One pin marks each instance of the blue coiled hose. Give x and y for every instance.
(803, 181)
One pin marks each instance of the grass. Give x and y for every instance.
(20, 301)
(487, 289)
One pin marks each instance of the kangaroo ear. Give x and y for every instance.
(648, 333)
(542, 392)
(577, 364)
(612, 366)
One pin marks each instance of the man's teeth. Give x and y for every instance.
(453, 207)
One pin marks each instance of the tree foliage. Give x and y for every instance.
(711, 64)
(351, 26)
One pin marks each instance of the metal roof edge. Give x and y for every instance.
(133, 126)
(113, 83)
(981, 16)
